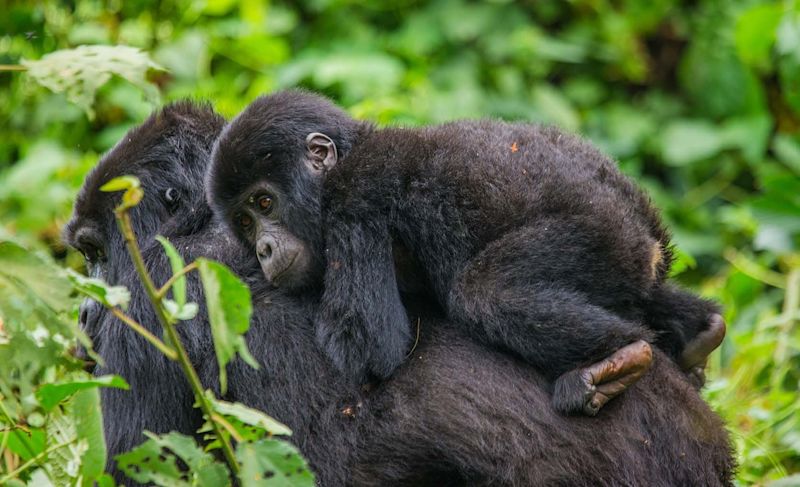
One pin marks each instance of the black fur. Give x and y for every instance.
(454, 414)
(531, 239)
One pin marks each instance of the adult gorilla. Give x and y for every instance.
(454, 414)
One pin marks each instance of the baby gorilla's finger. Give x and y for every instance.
(613, 375)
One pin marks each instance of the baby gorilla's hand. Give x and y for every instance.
(363, 349)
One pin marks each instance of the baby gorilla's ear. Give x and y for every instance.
(321, 153)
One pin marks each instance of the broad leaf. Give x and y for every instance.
(154, 461)
(229, 309)
(51, 394)
(80, 72)
(272, 463)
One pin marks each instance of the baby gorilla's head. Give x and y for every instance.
(265, 180)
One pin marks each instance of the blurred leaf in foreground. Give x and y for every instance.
(80, 72)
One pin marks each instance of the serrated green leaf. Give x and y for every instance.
(49, 395)
(80, 72)
(155, 461)
(98, 290)
(272, 463)
(177, 264)
(250, 416)
(229, 309)
(64, 464)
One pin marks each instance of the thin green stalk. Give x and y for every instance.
(33, 460)
(163, 347)
(163, 290)
(14, 425)
(12, 67)
(791, 303)
(124, 223)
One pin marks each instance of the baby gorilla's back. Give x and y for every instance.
(660, 433)
(531, 239)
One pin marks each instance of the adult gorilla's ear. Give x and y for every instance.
(322, 155)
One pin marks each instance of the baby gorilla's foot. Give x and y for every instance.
(588, 389)
(695, 355)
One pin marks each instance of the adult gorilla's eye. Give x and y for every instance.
(171, 195)
(244, 220)
(265, 203)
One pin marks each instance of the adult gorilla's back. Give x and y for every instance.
(455, 413)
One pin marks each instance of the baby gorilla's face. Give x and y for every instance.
(285, 259)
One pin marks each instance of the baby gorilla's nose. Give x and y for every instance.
(265, 247)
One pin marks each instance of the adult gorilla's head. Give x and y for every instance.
(169, 153)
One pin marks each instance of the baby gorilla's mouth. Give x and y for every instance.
(288, 266)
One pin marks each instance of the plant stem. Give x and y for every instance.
(163, 290)
(33, 460)
(791, 303)
(163, 347)
(12, 67)
(13, 424)
(124, 223)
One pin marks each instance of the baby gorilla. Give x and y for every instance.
(530, 238)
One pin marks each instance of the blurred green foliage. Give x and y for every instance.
(698, 100)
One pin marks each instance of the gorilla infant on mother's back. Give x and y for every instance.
(454, 414)
(532, 241)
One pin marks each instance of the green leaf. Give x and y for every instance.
(50, 395)
(686, 141)
(35, 274)
(80, 72)
(132, 187)
(98, 290)
(756, 32)
(229, 309)
(176, 312)
(155, 461)
(121, 183)
(176, 261)
(250, 416)
(64, 464)
(272, 463)
(85, 408)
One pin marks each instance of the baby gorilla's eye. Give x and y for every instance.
(265, 203)
(244, 220)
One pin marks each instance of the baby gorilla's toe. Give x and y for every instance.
(588, 389)
(694, 356)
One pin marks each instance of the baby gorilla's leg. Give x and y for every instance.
(508, 296)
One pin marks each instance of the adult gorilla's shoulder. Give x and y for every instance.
(455, 414)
